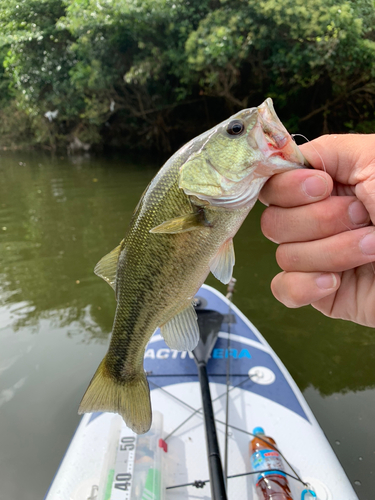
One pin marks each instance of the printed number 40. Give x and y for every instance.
(125, 481)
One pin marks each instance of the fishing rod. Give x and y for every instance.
(209, 323)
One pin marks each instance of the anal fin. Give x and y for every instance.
(182, 332)
(222, 264)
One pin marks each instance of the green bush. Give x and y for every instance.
(153, 73)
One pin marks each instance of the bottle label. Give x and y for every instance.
(269, 461)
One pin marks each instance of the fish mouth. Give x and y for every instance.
(274, 140)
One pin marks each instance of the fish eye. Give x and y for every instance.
(235, 127)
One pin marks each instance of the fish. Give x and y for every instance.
(181, 230)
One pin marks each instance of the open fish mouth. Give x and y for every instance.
(276, 141)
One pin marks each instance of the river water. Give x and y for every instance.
(58, 217)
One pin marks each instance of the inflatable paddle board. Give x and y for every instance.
(250, 387)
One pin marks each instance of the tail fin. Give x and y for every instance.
(131, 399)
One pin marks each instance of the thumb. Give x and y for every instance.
(348, 158)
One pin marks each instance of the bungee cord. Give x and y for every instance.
(232, 427)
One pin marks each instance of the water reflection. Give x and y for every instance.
(58, 220)
(7, 394)
(347, 420)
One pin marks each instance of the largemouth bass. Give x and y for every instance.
(182, 228)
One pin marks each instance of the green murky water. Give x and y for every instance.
(58, 217)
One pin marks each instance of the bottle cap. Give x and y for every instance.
(258, 430)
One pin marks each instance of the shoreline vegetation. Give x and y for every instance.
(81, 75)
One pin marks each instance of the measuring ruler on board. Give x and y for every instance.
(123, 472)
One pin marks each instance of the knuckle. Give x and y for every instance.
(292, 300)
(283, 292)
(325, 222)
(286, 257)
(268, 224)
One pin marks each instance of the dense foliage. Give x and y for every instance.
(157, 72)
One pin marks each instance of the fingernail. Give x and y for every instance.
(326, 281)
(367, 244)
(315, 186)
(357, 213)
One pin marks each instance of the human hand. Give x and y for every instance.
(326, 243)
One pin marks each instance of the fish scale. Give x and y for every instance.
(181, 229)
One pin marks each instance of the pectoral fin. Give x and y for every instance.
(223, 262)
(181, 224)
(107, 266)
(182, 332)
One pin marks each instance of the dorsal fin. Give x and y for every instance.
(106, 268)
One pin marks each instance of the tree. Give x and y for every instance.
(157, 72)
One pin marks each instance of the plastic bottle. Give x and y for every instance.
(272, 485)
